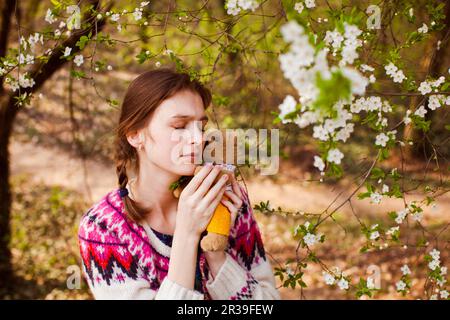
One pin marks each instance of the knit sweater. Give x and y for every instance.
(123, 259)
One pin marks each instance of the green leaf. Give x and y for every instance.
(81, 43)
(377, 173)
(331, 91)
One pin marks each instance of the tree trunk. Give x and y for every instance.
(8, 113)
(431, 65)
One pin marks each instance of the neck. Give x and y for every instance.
(151, 188)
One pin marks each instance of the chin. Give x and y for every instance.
(185, 169)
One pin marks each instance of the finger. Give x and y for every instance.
(212, 193)
(233, 210)
(215, 202)
(236, 188)
(197, 179)
(207, 183)
(230, 206)
(236, 200)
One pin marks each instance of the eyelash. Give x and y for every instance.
(183, 127)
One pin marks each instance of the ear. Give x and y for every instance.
(136, 138)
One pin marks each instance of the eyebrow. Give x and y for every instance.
(183, 116)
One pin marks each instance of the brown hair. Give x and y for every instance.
(143, 95)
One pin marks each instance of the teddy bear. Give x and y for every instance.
(218, 228)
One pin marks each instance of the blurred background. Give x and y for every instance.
(61, 142)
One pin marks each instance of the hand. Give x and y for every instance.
(199, 200)
(233, 200)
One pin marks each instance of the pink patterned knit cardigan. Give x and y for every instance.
(115, 249)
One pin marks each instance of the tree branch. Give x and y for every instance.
(7, 12)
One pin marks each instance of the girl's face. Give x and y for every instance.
(173, 138)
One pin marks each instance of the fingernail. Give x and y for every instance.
(225, 178)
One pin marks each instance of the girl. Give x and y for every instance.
(139, 241)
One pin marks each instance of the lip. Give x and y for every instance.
(192, 154)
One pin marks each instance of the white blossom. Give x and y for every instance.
(115, 17)
(424, 88)
(335, 155)
(67, 51)
(49, 17)
(417, 216)
(381, 139)
(299, 7)
(137, 14)
(392, 230)
(434, 102)
(328, 278)
(401, 215)
(433, 264)
(25, 81)
(318, 163)
(235, 6)
(345, 132)
(399, 76)
(288, 106)
(375, 197)
(365, 67)
(440, 282)
(374, 235)
(358, 81)
(310, 239)
(435, 254)
(292, 32)
(310, 4)
(421, 111)
(343, 284)
(423, 28)
(319, 132)
(405, 270)
(400, 285)
(78, 60)
(406, 118)
(396, 74)
(74, 20)
(334, 38)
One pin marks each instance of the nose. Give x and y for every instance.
(197, 136)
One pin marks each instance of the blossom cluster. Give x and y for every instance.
(336, 276)
(438, 273)
(304, 66)
(234, 7)
(347, 43)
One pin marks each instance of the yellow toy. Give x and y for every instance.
(219, 226)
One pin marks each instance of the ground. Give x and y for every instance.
(41, 257)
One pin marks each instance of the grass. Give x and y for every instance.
(44, 244)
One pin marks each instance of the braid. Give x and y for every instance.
(125, 153)
(122, 159)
